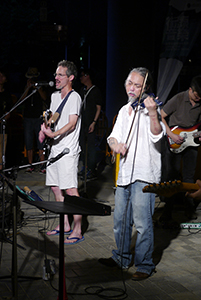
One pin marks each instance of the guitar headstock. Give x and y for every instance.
(168, 189)
(46, 116)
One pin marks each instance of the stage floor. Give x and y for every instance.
(177, 252)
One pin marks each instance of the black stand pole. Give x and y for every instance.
(3, 122)
(61, 258)
(14, 249)
(14, 276)
(71, 205)
(2, 232)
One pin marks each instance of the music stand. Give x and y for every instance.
(14, 276)
(71, 205)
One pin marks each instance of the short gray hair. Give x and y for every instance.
(71, 68)
(143, 71)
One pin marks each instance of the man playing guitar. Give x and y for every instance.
(183, 110)
(62, 174)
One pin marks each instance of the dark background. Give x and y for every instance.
(109, 36)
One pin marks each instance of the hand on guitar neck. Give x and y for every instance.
(196, 195)
(47, 118)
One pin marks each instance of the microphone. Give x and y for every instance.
(53, 159)
(51, 83)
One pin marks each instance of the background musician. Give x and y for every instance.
(33, 109)
(183, 110)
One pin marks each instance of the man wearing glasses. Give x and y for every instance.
(62, 174)
(183, 111)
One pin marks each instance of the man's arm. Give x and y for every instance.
(151, 106)
(196, 195)
(30, 84)
(69, 127)
(117, 147)
(175, 137)
(92, 125)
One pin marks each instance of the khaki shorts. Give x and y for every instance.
(63, 172)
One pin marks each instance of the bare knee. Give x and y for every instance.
(57, 193)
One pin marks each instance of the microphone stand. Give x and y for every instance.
(13, 275)
(2, 231)
(3, 122)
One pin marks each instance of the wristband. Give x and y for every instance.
(94, 121)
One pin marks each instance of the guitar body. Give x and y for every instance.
(190, 135)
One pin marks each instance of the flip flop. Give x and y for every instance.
(57, 232)
(77, 240)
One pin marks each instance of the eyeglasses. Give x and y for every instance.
(59, 75)
(85, 75)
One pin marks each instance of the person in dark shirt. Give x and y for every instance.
(33, 109)
(91, 108)
(5, 106)
(181, 111)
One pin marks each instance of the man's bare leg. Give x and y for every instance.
(59, 198)
(77, 231)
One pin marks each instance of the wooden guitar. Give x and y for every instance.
(168, 189)
(191, 138)
(47, 115)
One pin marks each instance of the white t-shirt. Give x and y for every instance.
(143, 158)
(71, 107)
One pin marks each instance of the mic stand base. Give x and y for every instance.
(14, 276)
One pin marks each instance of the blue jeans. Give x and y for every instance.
(132, 206)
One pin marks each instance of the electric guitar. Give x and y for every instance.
(47, 115)
(168, 189)
(191, 138)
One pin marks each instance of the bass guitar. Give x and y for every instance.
(168, 189)
(190, 135)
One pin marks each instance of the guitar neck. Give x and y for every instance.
(168, 189)
(190, 186)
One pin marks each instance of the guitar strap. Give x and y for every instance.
(85, 97)
(60, 108)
